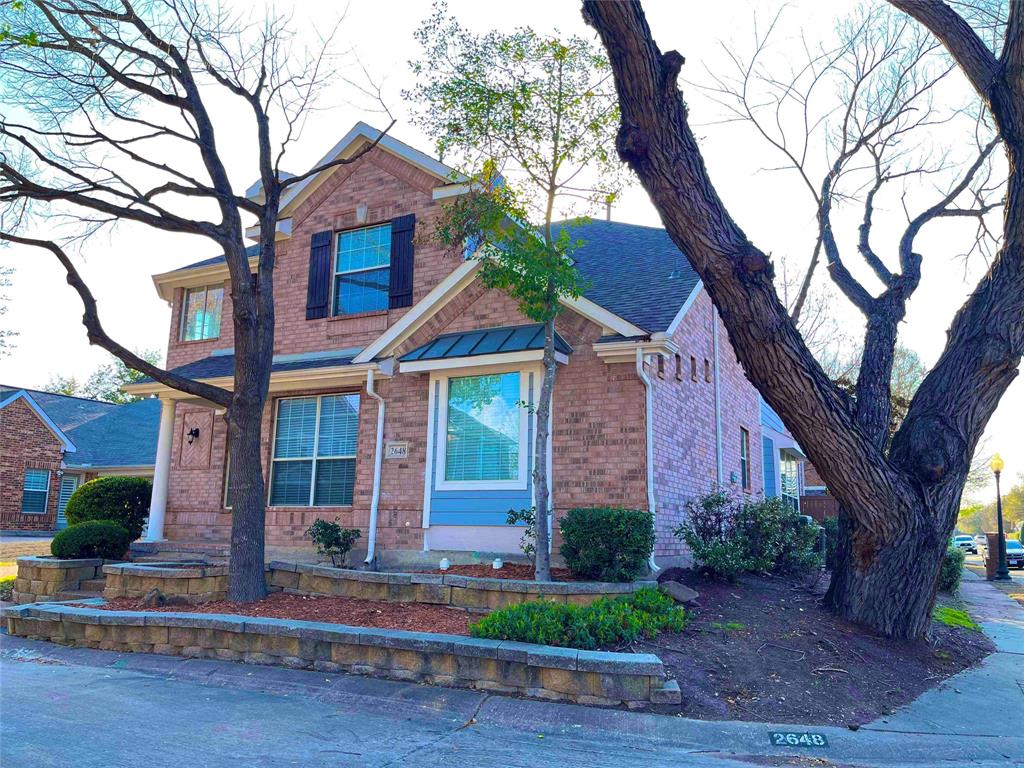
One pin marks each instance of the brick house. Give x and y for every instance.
(50, 444)
(397, 380)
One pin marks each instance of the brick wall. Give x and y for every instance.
(684, 422)
(26, 443)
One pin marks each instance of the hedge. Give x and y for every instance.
(124, 500)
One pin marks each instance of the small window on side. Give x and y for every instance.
(707, 370)
(661, 366)
(679, 367)
(693, 367)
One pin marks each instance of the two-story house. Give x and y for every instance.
(398, 383)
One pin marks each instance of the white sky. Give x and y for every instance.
(771, 207)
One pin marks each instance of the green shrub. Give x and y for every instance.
(951, 570)
(331, 539)
(831, 526)
(607, 544)
(728, 536)
(124, 500)
(93, 538)
(7, 588)
(605, 623)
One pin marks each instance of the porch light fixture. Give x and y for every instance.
(192, 435)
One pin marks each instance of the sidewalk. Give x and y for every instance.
(987, 700)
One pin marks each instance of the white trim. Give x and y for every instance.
(478, 361)
(423, 310)
(283, 231)
(428, 472)
(522, 482)
(625, 351)
(363, 132)
(378, 455)
(69, 447)
(685, 308)
(609, 321)
(652, 504)
(166, 282)
(719, 450)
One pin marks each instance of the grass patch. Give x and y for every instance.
(6, 587)
(954, 617)
(729, 626)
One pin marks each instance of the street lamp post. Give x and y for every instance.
(1002, 572)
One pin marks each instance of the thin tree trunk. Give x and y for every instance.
(541, 488)
(246, 580)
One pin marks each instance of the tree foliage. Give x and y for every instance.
(105, 382)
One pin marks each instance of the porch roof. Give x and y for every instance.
(485, 341)
(219, 366)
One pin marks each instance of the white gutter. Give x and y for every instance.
(718, 400)
(649, 421)
(377, 456)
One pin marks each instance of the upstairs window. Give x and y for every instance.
(200, 313)
(362, 270)
(36, 491)
(745, 458)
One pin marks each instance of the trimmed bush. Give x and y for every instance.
(951, 570)
(123, 500)
(728, 536)
(607, 544)
(605, 623)
(93, 538)
(332, 540)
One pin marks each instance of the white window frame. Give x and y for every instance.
(746, 470)
(315, 457)
(46, 498)
(440, 429)
(184, 311)
(335, 273)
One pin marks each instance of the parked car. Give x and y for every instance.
(1014, 554)
(981, 541)
(966, 543)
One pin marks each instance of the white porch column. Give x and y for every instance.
(161, 472)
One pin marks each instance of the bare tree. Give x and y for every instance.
(900, 504)
(109, 119)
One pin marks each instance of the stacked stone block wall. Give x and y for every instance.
(44, 578)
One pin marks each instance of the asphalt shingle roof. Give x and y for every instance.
(215, 366)
(636, 272)
(486, 341)
(104, 434)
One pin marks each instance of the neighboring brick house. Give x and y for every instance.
(50, 444)
(397, 383)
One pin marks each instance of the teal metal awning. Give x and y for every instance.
(486, 341)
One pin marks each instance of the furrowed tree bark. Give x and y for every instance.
(898, 509)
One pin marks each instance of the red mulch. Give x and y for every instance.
(507, 571)
(334, 610)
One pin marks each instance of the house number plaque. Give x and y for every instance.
(394, 449)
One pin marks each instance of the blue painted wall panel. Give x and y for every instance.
(768, 452)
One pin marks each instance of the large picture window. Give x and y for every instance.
(483, 429)
(314, 457)
(200, 313)
(362, 271)
(789, 480)
(36, 491)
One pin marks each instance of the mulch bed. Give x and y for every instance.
(765, 649)
(507, 571)
(416, 617)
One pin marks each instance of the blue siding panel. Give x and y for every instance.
(768, 452)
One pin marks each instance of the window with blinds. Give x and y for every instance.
(314, 456)
(483, 429)
(36, 491)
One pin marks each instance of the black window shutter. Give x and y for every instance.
(400, 289)
(318, 291)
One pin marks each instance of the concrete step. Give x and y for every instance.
(78, 594)
(92, 585)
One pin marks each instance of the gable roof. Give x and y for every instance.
(634, 271)
(100, 434)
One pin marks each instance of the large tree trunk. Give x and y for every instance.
(900, 507)
(541, 481)
(246, 579)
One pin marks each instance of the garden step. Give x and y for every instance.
(92, 585)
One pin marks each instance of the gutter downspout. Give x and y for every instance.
(377, 456)
(718, 400)
(649, 422)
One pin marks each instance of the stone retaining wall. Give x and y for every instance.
(586, 677)
(44, 578)
(192, 583)
(467, 592)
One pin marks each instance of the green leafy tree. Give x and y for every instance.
(536, 117)
(105, 382)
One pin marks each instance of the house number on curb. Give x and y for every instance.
(396, 450)
(797, 739)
